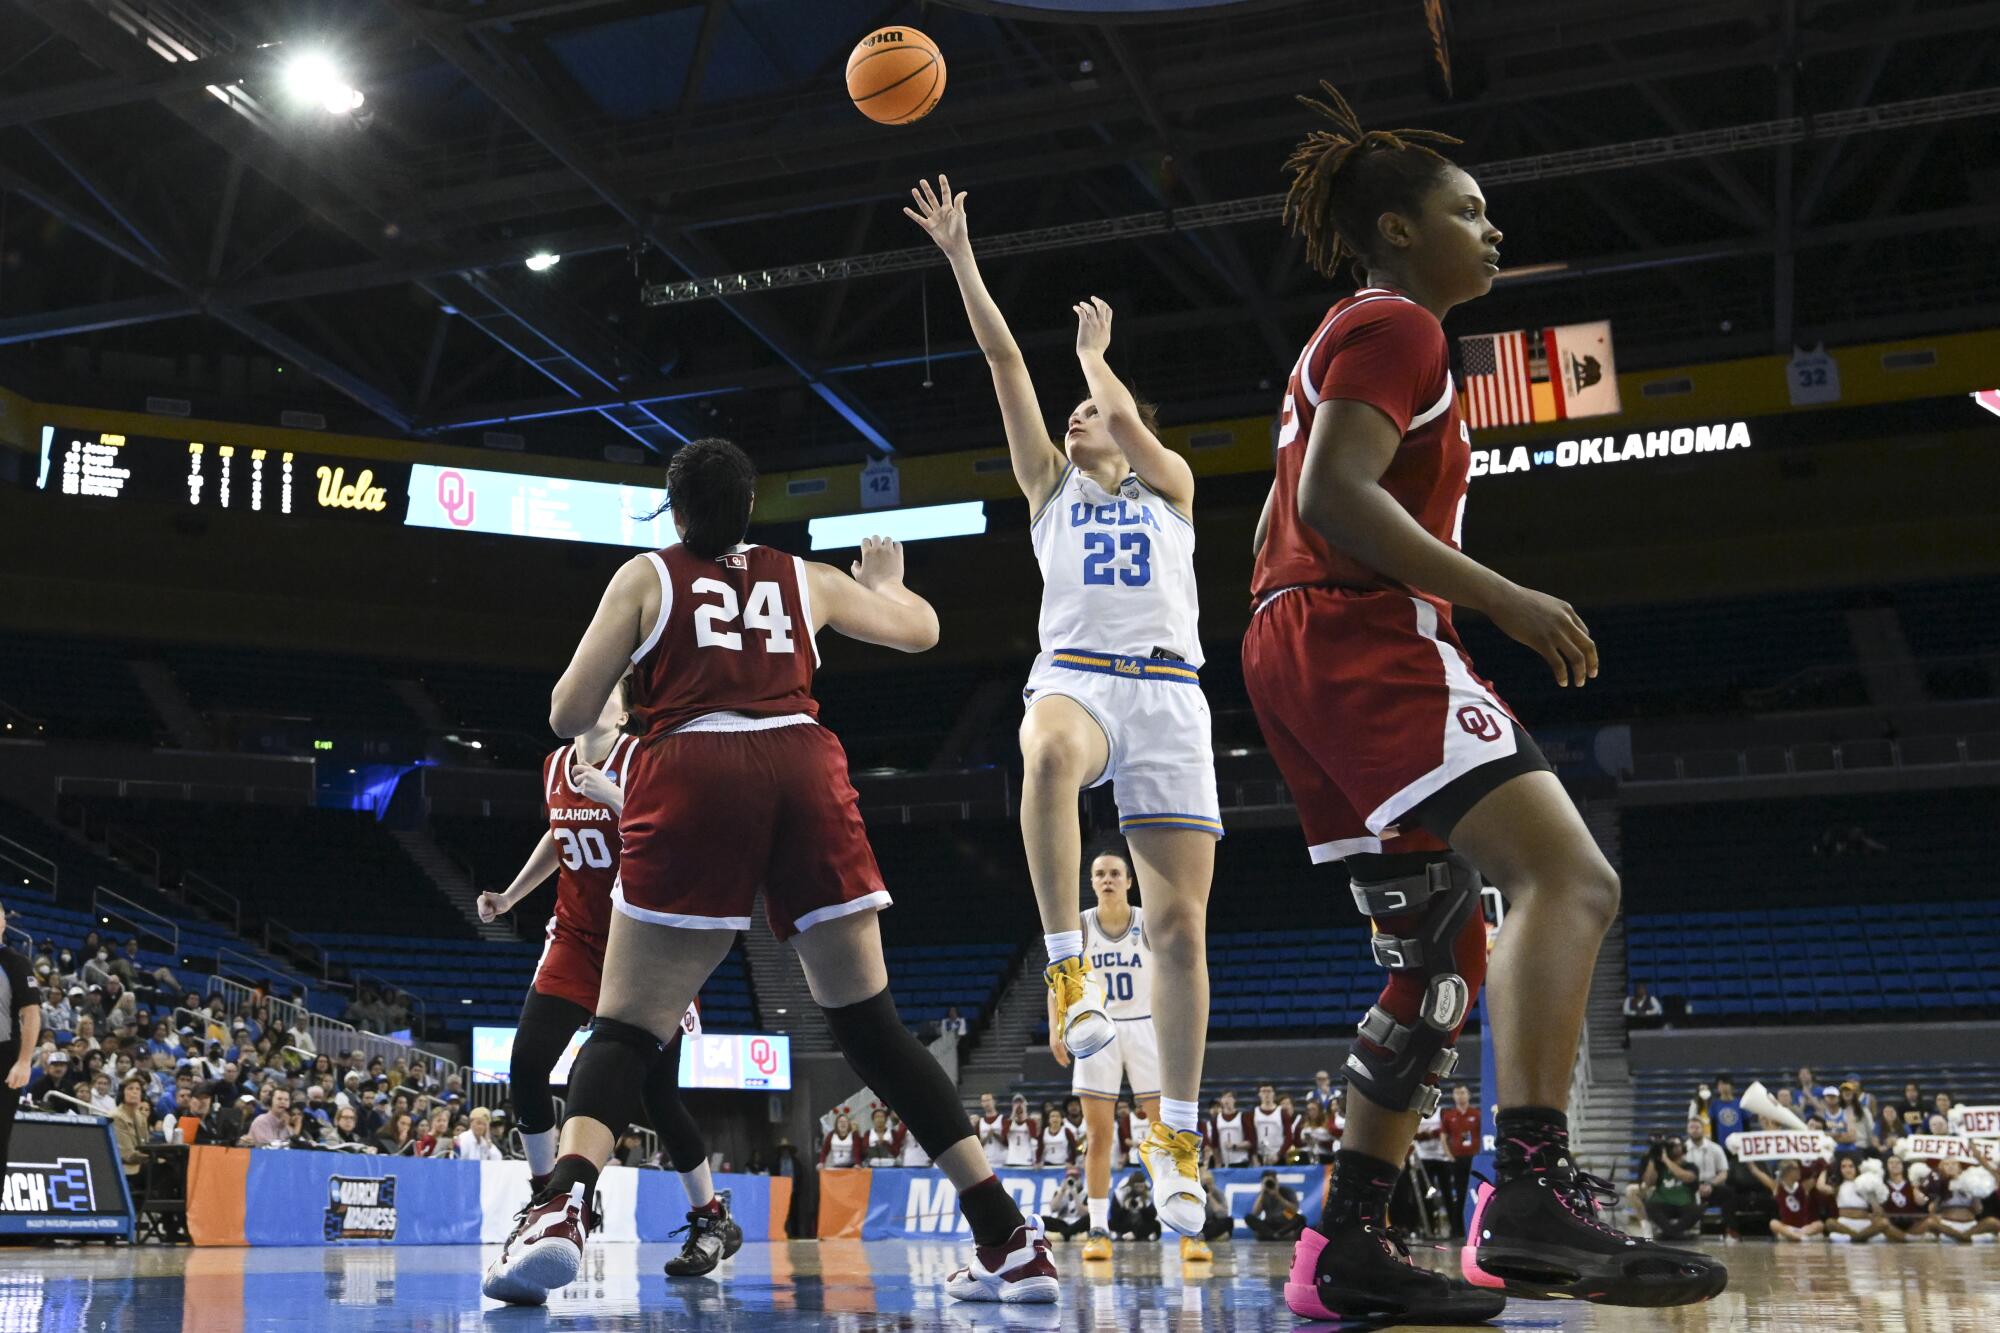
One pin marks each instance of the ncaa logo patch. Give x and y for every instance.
(733, 560)
(1478, 722)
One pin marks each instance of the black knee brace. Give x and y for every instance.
(679, 1134)
(547, 1023)
(610, 1071)
(1430, 935)
(899, 1069)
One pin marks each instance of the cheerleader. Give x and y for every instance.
(842, 1147)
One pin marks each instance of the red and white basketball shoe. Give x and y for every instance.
(545, 1251)
(1019, 1272)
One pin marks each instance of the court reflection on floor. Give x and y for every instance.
(852, 1287)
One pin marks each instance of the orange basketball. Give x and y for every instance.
(895, 75)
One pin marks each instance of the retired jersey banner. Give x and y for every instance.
(921, 1204)
(1777, 1144)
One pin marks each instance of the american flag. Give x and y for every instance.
(1496, 379)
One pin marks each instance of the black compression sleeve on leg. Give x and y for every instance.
(547, 1024)
(610, 1071)
(671, 1120)
(895, 1064)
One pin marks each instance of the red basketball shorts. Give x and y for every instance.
(572, 965)
(714, 815)
(1369, 705)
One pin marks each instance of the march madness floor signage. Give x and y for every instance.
(294, 1197)
(63, 1179)
(922, 1204)
(244, 1196)
(361, 1208)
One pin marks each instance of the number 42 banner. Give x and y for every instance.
(881, 485)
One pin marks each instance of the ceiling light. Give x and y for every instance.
(541, 261)
(312, 78)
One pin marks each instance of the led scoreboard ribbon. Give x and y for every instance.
(208, 476)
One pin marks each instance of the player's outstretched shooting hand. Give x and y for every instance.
(941, 214)
(1093, 326)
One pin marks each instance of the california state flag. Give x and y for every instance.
(1583, 372)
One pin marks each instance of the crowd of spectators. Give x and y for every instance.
(1265, 1129)
(1870, 1186)
(168, 1066)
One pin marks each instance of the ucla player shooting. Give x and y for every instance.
(1114, 695)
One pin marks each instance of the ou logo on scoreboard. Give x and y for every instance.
(455, 497)
(764, 1056)
(1478, 722)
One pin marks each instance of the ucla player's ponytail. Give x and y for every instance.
(710, 486)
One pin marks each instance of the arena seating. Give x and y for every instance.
(80, 687)
(34, 909)
(312, 869)
(962, 918)
(1670, 660)
(333, 692)
(1728, 854)
(1814, 964)
(1956, 627)
(464, 983)
(493, 850)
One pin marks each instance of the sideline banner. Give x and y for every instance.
(63, 1178)
(921, 1204)
(1772, 1145)
(1976, 1122)
(244, 1196)
(1940, 1148)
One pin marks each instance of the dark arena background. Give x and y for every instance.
(343, 345)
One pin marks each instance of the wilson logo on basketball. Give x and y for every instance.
(1478, 722)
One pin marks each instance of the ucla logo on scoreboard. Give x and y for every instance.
(361, 1208)
(61, 1186)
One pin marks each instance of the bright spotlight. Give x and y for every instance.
(313, 79)
(542, 260)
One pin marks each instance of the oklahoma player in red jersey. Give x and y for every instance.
(735, 787)
(1406, 764)
(581, 793)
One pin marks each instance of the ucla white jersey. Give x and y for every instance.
(1124, 967)
(1117, 571)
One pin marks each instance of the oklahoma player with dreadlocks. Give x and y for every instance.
(1407, 766)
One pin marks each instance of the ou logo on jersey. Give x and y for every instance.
(1478, 722)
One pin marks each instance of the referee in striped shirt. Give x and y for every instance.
(20, 1029)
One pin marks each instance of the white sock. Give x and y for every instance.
(1100, 1214)
(1181, 1117)
(700, 1186)
(541, 1151)
(1064, 944)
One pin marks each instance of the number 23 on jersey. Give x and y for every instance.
(1101, 563)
